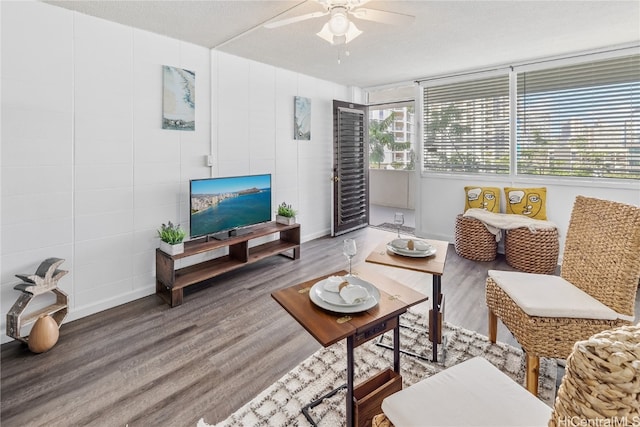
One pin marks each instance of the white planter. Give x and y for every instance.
(286, 220)
(171, 249)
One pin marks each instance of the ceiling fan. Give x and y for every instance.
(339, 29)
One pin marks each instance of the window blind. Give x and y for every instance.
(466, 126)
(580, 120)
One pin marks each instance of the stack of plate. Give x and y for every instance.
(324, 295)
(411, 247)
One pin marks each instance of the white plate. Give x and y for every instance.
(418, 245)
(335, 298)
(341, 306)
(412, 254)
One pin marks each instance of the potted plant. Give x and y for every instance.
(171, 238)
(286, 214)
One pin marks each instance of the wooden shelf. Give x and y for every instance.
(207, 244)
(171, 281)
(48, 310)
(277, 247)
(16, 321)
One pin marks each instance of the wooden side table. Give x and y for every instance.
(433, 265)
(363, 401)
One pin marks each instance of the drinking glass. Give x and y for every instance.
(349, 250)
(398, 220)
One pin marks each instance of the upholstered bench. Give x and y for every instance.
(472, 393)
(600, 387)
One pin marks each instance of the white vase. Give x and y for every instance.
(171, 249)
(286, 220)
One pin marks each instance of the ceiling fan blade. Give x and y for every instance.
(288, 21)
(352, 4)
(382, 16)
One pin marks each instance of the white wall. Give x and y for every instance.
(253, 134)
(392, 188)
(88, 174)
(443, 198)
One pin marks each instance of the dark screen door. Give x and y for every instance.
(350, 167)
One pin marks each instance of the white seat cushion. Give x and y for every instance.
(542, 295)
(472, 393)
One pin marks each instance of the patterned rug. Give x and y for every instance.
(387, 226)
(281, 403)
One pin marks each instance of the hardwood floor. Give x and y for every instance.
(145, 364)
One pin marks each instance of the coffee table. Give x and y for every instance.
(363, 401)
(433, 265)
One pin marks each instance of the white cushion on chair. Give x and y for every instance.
(543, 295)
(471, 393)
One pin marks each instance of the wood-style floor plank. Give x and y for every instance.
(143, 363)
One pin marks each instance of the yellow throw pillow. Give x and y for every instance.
(487, 198)
(530, 202)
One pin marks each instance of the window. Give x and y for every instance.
(391, 136)
(467, 126)
(580, 120)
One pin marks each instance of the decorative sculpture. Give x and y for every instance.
(44, 280)
(44, 334)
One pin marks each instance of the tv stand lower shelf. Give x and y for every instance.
(170, 282)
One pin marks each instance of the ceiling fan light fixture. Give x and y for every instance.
(326, 33)
(352, 32)
(339, 23)
(343, 37)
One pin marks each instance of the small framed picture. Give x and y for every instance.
(302, 119)
(178, 99)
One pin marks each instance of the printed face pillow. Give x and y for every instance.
(530, 202)
(487, 198)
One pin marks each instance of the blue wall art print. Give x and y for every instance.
(179, 99)
(302, 118)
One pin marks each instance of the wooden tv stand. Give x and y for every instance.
(170, 281)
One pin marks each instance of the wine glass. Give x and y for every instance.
(349, 250)
(398, 220)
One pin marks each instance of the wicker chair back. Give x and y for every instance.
(602, 251)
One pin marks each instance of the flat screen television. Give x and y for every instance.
(223, 207)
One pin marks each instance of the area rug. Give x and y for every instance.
(281, 403)
(387, 226)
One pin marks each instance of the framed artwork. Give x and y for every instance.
(302, 118)
(178, 99)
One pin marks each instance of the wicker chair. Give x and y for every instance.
(601, 267)
(602, 380)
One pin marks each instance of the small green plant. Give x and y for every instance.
(286, 210)
(171, 234)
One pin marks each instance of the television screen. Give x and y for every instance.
(219, 205)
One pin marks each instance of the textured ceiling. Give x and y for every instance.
(445, 37)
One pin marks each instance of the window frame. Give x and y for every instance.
(513, 71)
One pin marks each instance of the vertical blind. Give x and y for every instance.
(580, 120)
(466, 126)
